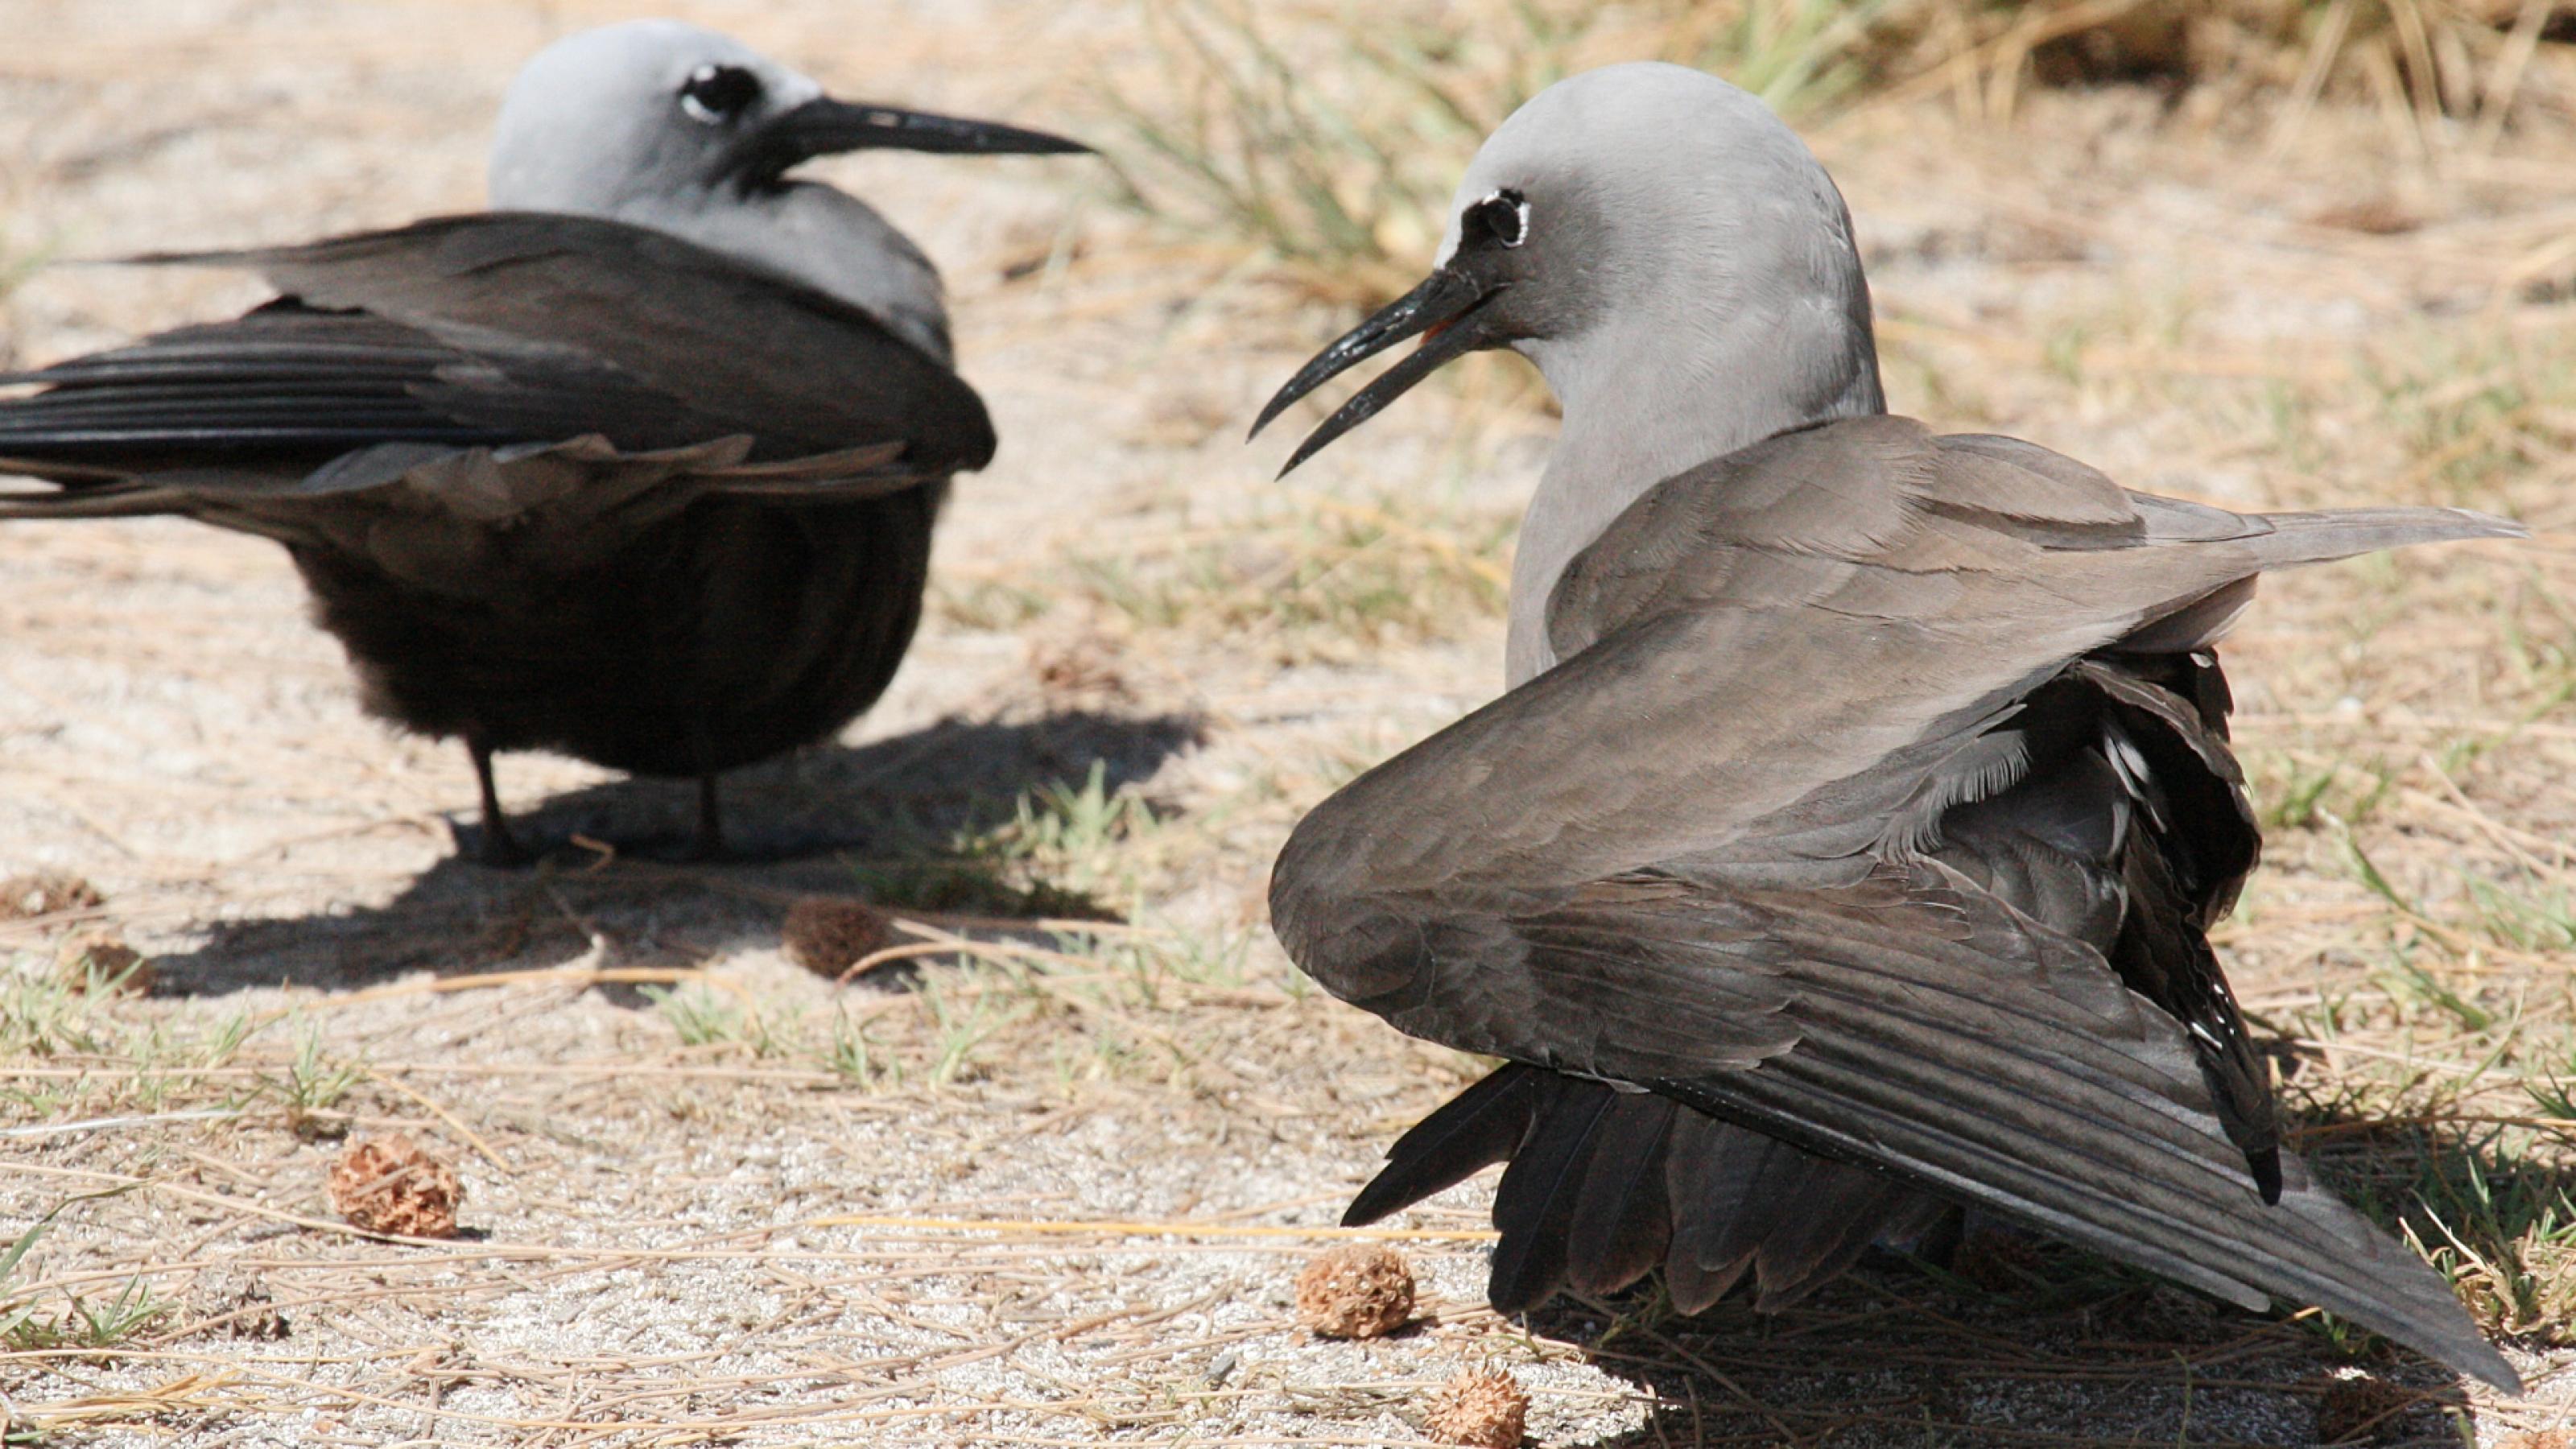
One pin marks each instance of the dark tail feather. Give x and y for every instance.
(1745, 1201)
(1844, 1210)
(1534, 1206)
(1479, 1127)
(1764, 1194)
(1623, 1218)
(1708, 1165)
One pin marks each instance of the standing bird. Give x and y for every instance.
(1845, 848)
(640, 466)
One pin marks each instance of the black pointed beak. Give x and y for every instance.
(826, 127)
(1445, 306)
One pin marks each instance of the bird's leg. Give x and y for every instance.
(710, 841)
(499, 846)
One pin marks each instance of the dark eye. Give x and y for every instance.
(716, 94)
(1503, 216)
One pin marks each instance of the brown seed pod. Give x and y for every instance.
(1482, 1408)
(827, 935)
(388, 1185)
(1357, 1290)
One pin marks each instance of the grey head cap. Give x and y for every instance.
(1678, 265)
(663, 124)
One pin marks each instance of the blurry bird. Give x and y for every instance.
(1845, 848)
(640, 466)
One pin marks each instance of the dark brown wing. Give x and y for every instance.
(495, 330)
(262, 401)
(1704, 857)
(798, 371)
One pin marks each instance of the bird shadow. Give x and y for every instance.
(2076, 1351)
(2017, 1339)
(892, 820)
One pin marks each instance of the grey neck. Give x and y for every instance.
(1640, 408)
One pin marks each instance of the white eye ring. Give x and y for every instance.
(740, 88)
(695, 109)
(1519, 207)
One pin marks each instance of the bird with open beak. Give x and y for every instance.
(640, 466)
(1844, 851)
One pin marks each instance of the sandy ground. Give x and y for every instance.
(1060, 1196)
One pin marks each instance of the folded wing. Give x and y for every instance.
(512, 334)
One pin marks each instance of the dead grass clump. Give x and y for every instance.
(389, 1185)
(1356, 1290)
(1483, 1408)
(828, 935)
(2362, 1410)
(25, 897)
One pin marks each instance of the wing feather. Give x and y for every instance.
(497, 331)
